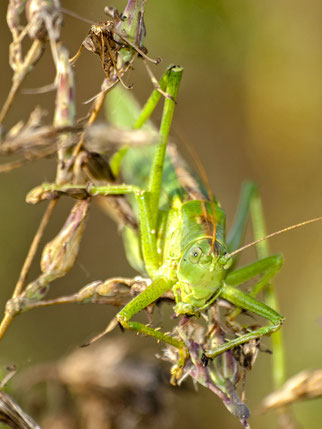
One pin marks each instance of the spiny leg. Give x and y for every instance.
(247, 302)
(268, 267)
(145, 298)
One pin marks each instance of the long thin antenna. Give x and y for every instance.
(275, 233)
(76, 16)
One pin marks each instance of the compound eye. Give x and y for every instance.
(195, 255)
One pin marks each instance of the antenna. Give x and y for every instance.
(273, 234)
(76, 15)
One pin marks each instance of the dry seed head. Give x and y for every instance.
(45, 17)
(226, 367)
(305, 385)
(13, 415)
(38, 194)
(59, 255)
(65, 110)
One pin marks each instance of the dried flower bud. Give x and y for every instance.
(65, 111)
(105, 139)
(225, 364)
(38, 194)
(45, 17)
(13, 415)
(59, 255)
(46, 191)
(97, 168)
(305, 385)
(219, 374)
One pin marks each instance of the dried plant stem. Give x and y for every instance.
(98, 103)
(32, 57)
(6, 168)
(34, 247)
(26, 266)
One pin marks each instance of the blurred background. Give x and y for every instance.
(250, 103)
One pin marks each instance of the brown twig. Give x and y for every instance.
(27, 264)
(98, 103)
(7, 167)
(32, 57)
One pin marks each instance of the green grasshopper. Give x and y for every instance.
(181, 244)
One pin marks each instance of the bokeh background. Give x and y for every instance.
(250, 103)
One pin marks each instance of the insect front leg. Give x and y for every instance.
(77, 55)
(251, 304)
(144, 299)
(267, 267)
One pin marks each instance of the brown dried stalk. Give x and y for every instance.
(44, 20)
